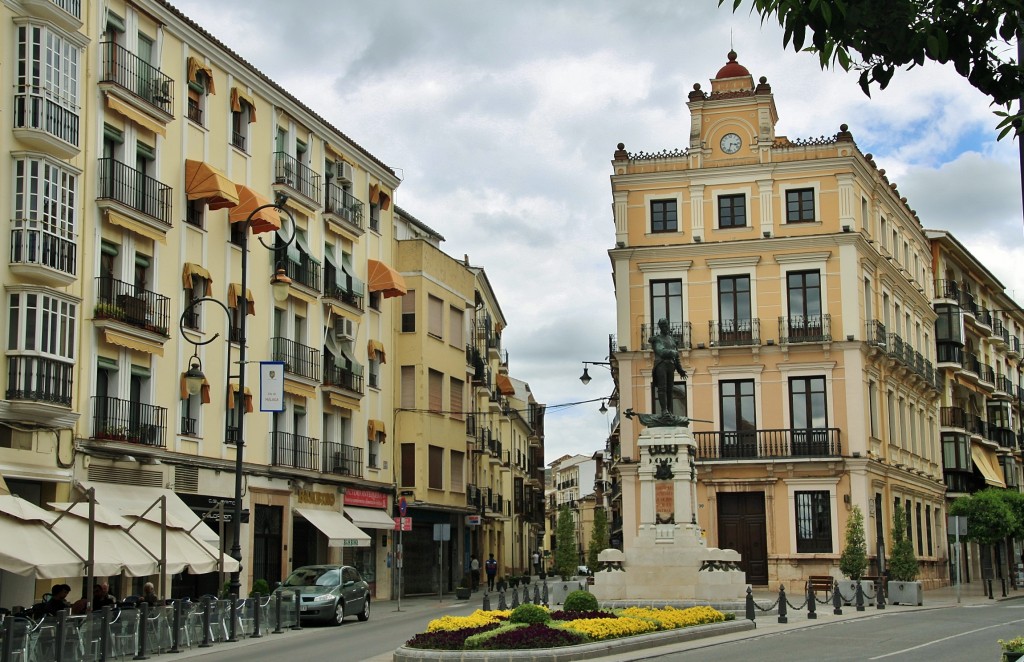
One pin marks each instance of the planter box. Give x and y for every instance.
(905, 593)
(462, 593)
(848, 591)
(1009, 656)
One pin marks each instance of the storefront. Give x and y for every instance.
(368, 510)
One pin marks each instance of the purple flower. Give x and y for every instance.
(573, 615)
(536, 635)
(446, 640)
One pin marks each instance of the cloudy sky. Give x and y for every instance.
(502, 118)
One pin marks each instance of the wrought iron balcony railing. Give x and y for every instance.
(36, 110)
(343, 204)
(681, 331)
(733, 333)
(31, 244)
(813, 328)
(342, 378)
(346, 293)
(298, 359)
(293, 450)
(39, 379)
(305, 272)
(342, 459)
(768, 444)
(876, 335)
(128, 420)
(135, 189)
(116, 299)
(133, 74)
(296, 175)
(947, 289)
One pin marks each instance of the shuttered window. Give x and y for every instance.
(435, 310)
(408, 465)
(408, 387)
(409, 312)
(455, 395)
(456, 325)
(436, 468)
(435, 384)
(458, 469)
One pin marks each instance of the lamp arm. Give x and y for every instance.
(279, 207)
(184, 313)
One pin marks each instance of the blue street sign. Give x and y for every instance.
(402, 506)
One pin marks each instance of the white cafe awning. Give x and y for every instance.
(130, 500)
(339, 531)
(369, 518)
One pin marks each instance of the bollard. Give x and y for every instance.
(782, 604)
(297, 626)
(206, 624)
(991, 595)
(104, 633)
(515, 599)
(257, 611)
(487, 601)
(8, 650)
(143, 630)
(1003, 582)
(860, 597)
(232, 617)
(812, 614)
(837, 600)
(176, 627)
(526, 594)
(277, 611)
(750, 615)
(501, 601)
(536, 594)
(879, 594)
(544, 595)
(62, 624)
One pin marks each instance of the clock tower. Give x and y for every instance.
(734, 123)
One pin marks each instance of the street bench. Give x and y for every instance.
(824, 583)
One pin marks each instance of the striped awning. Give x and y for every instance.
(988, 465)
(204, 182)
(137, 116)
(505, 385)
(133, 342)
(385, 280)
(264, 220)
(138, 227)
(248, 398)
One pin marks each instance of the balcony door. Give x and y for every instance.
(809, 416)
(738, 424)
(741, 526)
(734, 318)
(804, 290)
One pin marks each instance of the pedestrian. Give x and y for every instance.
(536, 562)
(474, 572)
(491, 568)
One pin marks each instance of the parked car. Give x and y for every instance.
(328, 593)
(583, 570)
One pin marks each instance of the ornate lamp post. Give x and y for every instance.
(194, 377)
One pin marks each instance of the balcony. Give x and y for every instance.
(297, 178)
(342, 288)
(38, 379)
(65, 13)
(296, 451)
(50, 125)
(298, 359)
(342, 459)
(678, 330)
(136, 307)
(1000, 335)
(810, 329)
(768, 444)
(134, 194)
(947, 291)
(42, 256)
(130, 78)
(1013, 347)
(875, 335)
(300, 266)
(114, 419)
(342, 378)
(949, 354)
(343, 209)
(735, 333)
(1004, 387)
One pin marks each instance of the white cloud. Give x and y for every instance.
(503, 118)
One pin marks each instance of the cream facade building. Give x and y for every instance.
(797, 284)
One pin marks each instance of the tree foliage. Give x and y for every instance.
(902, 562)
(598, 538)
(854, 559)
(566, 557)
(877, 37)
(989, 517)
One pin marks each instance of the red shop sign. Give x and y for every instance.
(366, 498)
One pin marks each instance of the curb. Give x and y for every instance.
(583, 651)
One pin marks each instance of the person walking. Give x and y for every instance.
(491, 568)
(536, 562)
(474, 573)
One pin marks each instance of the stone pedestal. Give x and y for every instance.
(668, 558)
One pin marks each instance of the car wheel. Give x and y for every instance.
(364, 615)
(339, 613)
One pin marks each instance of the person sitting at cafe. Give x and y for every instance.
(100, 598)
(55, 604)
(149, 594)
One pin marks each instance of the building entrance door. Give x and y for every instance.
(741, 526)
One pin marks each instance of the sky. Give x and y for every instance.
(501, 118)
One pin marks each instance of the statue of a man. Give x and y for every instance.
(666, 364)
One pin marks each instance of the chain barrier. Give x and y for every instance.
(797, 607)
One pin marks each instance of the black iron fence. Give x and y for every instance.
(298, 359)
(36, 110)
(342, 378)
(757, 444)
(132, 305)
(342, 459)
(296, 175)
(128, 420)
(135, 189)
(293, 450)
(39, 379)
(130, 72)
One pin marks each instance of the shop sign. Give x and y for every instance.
(355, 496)
(472, 520)
(317, 498)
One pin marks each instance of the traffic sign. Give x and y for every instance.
(403, 505)
(403, 524)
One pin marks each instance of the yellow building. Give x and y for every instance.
(139, 147)
(797, 284)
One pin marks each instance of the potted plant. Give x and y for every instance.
(1013, 649)
(462, 591)
(903, 564)
(854, 559)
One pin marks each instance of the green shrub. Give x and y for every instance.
(580, 601)
(529, 613)
(260, 586)
(479, 639)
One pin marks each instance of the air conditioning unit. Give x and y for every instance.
(345, 172)
(344, 329)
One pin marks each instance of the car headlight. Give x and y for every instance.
(324, 597)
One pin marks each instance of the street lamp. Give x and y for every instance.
(194, 377)
(585, 377)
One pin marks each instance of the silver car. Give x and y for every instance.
(328, 593)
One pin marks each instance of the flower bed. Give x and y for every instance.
(492, 630)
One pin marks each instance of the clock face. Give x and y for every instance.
(731, 143)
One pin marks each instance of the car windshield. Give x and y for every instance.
(314, 577)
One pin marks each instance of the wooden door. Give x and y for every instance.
(741, 526)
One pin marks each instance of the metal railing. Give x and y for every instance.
(194, 112)
(116, 299)
(305, 272)
(31, 244)
(39, 379)
(293, 450)
(347, 295)
(298, 359)
(876, 334)
(947, 289)
(135, 189)
(758, 444)
(735, 333)
(342, 378)
(238, 140)
(949, 353)
(680, 331)
(36, 110)
(130, 72)
(812, 328)
(73, 7)
(342, 459)
(296, 175)
(128, 420)
(342, 203)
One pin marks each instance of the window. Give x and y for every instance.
(409, 312)
(195, 213)
(408, 387)
(734, 324)
(809, 416)
(46, 89)
(805, 321)
(200, 83)
(928, 527)
(239, 234)
(197, 291)
(435, 386)
(666, 302)
(435, 458)
(458, 471)
(41, 347)
(738, 424)
(456, 327)
(800, 205)
(374, 376)
(375, 218)
(663, 216)
(435, 315)
(920, 537)
(191, 410)
(873, 408)
(813, 523)
(455, 396)
(45, 220)
(409, 465)
(732, 211)
(891, 411)
(240, 118)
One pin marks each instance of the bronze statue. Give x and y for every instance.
(666, 364)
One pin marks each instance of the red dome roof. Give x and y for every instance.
(732, 69)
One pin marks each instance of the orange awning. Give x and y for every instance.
(265, 220)
(137, 116)
(231, 398)
(385, 201)
(194, 67)
(375, 350)
(505, 385)
(385, 280)
(236, 98)
(190, 270)
(374, 194)
(204, 182)
(204, 393)
(234, 291)
(373, 426)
